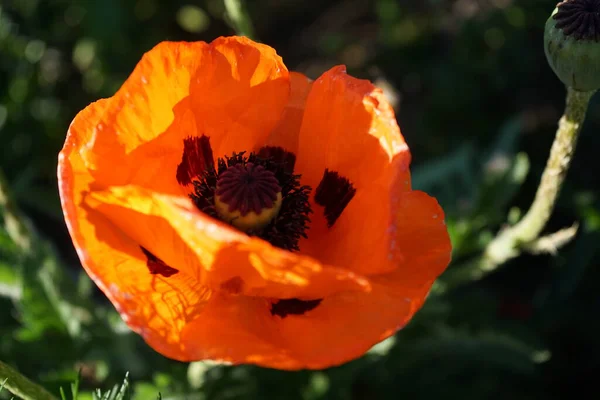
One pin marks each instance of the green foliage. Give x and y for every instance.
(478, 107)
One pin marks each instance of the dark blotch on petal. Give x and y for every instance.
(196, 159)
(334, 193)
(234, 285)
(285, 307)
(158, 266)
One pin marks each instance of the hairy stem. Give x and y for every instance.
(510, 242)
(20, 386)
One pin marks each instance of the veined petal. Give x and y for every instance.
(238, 94)
(214, 253)
(287, 131)
(232, 90)
(349, 128)
(343, 327)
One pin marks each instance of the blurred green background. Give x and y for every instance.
(478, 106)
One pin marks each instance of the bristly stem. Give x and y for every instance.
(513, 240)
(21, 386)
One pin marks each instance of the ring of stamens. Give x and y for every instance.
(241, 191)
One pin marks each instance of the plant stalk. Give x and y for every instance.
(21, 386)
(14, 223)
(511, 241)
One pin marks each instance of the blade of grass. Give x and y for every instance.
(238, 18)
(21, 386)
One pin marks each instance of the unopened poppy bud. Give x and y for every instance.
(572, 43)
(248, 196)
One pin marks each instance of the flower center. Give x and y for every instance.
(248, 196)
(579, 19)
(258, 193)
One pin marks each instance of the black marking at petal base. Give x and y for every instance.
(157, 266)
(289, 226)
(279, 156)
(197, 158)
(247, 187)
(283, 308)
(579, 19)
(334, 193)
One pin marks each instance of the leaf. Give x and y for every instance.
(503, 173)
(450, 179)
(565, 279)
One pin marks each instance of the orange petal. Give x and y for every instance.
(238, 94)
(420, 239)
(287, 131)
(346, 325)
(236, 329)
(232, 90)
(142, 108)
(212, 252)
(348, 127)
(343, 327)
(154, 306)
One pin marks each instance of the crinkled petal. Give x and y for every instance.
(238, 94)
(343, 327)
(232, 90)
(348, 127)
(287, 131)
(154, 306)
(217, 256)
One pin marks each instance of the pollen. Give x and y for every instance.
(248, 196)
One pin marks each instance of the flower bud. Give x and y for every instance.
(572, 43)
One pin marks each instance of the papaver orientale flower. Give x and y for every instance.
(232, 210)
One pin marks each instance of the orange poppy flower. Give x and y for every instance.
(232, 210)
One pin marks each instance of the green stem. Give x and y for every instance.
(14, 223)
(510, 242)
(20, 386)
(238, 18)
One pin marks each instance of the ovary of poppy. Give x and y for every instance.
(347, 260)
